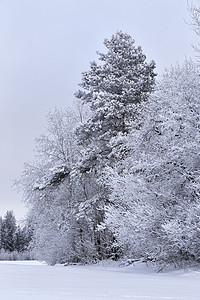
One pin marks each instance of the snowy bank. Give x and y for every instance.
(22, 280)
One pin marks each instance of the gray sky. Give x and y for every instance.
(44, 47)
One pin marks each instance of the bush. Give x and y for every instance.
(15, 255)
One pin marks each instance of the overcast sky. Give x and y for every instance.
(44, 47)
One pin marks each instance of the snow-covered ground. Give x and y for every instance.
(37, 281)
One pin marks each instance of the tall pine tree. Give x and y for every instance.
(113, 89)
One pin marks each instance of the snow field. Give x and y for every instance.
(37, 281)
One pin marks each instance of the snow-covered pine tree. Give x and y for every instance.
(23, 237)
(0, 232)
(113, 89)
(8, 231)
(19, 239)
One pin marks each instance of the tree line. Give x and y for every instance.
(117, 175)
(13, 237)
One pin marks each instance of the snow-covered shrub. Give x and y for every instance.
(15, 255)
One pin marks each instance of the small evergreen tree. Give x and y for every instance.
(8, 231)
(19, 239)
(0, 232)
